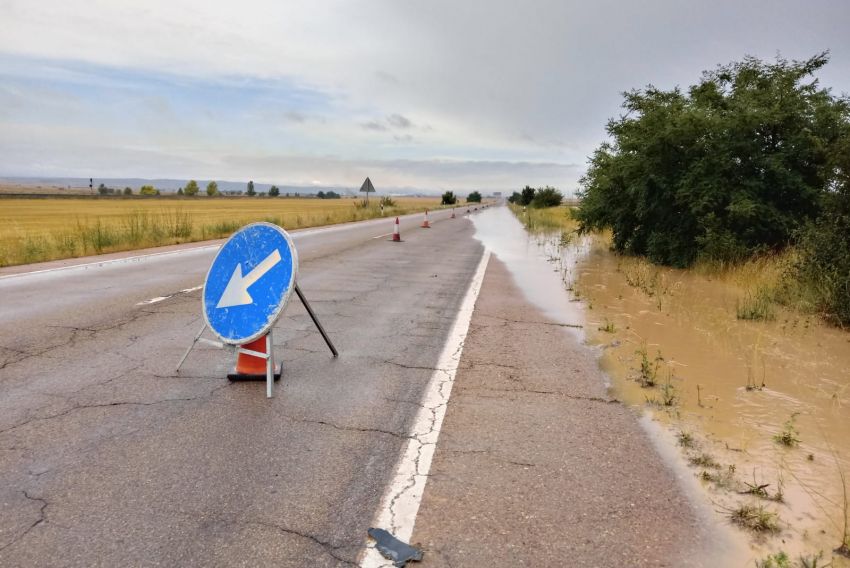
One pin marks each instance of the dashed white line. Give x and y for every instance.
(161, 298)
(400, 503)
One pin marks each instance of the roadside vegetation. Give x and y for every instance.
(725, 208)
(41, 229)
(748, 164)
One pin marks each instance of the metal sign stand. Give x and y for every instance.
(269, 354)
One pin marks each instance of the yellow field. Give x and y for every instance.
(34, 230)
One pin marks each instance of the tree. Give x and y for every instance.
(449, 198)
(147, 190)
(101, 189)
(526, 195)
(180, 191)
(212, 189)
(474, 197)
(191, 188)
(515, 198)
(128, 191)
(321, 194)
(734, 166)
(547, 197)
(251, 191)
(274, 191)
(332, 195)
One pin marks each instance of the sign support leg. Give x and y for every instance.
(194, 341)
(269, 364)
(315, 319)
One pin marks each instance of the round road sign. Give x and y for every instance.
(249, 283)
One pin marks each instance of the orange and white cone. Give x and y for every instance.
(425, 223)
(453, 213)
(251, 368)
(396, 232)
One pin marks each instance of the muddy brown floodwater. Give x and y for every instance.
(731, 386)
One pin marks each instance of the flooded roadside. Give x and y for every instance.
(732, 391)
(544, 270)
(764, 404)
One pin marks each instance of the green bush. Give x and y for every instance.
(732, 167)
(547, 197)
(474, 197)
(449, 198)
(823, 264)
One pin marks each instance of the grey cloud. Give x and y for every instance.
(399, 121)
(374, 125)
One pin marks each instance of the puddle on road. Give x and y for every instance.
(541, 267)
(709, 358)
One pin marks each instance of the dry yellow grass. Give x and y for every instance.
(34, 230)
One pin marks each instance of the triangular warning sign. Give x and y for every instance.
(367, 186)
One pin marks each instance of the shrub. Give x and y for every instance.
(474, 197)
(734, 166)
(387, 201)
(448, 198)
(212, 189)
(547, 197)
(822, 268)
(147, 190)
(191, 188)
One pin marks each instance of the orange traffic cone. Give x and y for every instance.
(425, 223)
(396, 232)
(251, 368)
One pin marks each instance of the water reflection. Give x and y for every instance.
(540, 268)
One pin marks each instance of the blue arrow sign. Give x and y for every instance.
(250, 282)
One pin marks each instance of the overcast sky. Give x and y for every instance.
(435, 95)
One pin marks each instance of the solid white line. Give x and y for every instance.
(384, 235)
(112, 261)
(400, 503)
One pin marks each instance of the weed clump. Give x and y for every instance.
(757, 306)
(686, 439)
(788, 436)
(778, 560)
(648, 373)
(755, 518)
(704, 460)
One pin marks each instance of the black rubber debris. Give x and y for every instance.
(393, 549)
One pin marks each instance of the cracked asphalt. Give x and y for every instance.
(537, 465)
(108, 457)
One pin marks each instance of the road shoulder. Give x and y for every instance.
(537, 465)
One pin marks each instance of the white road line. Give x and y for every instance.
(384, 235)
(107, 262)
(161, 298)
(400, 503)
(153, 300)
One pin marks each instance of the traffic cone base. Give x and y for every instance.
(425, 223)
(250, 368)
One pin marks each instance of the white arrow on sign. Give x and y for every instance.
(236, 293)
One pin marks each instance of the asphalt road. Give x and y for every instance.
(108, 458)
